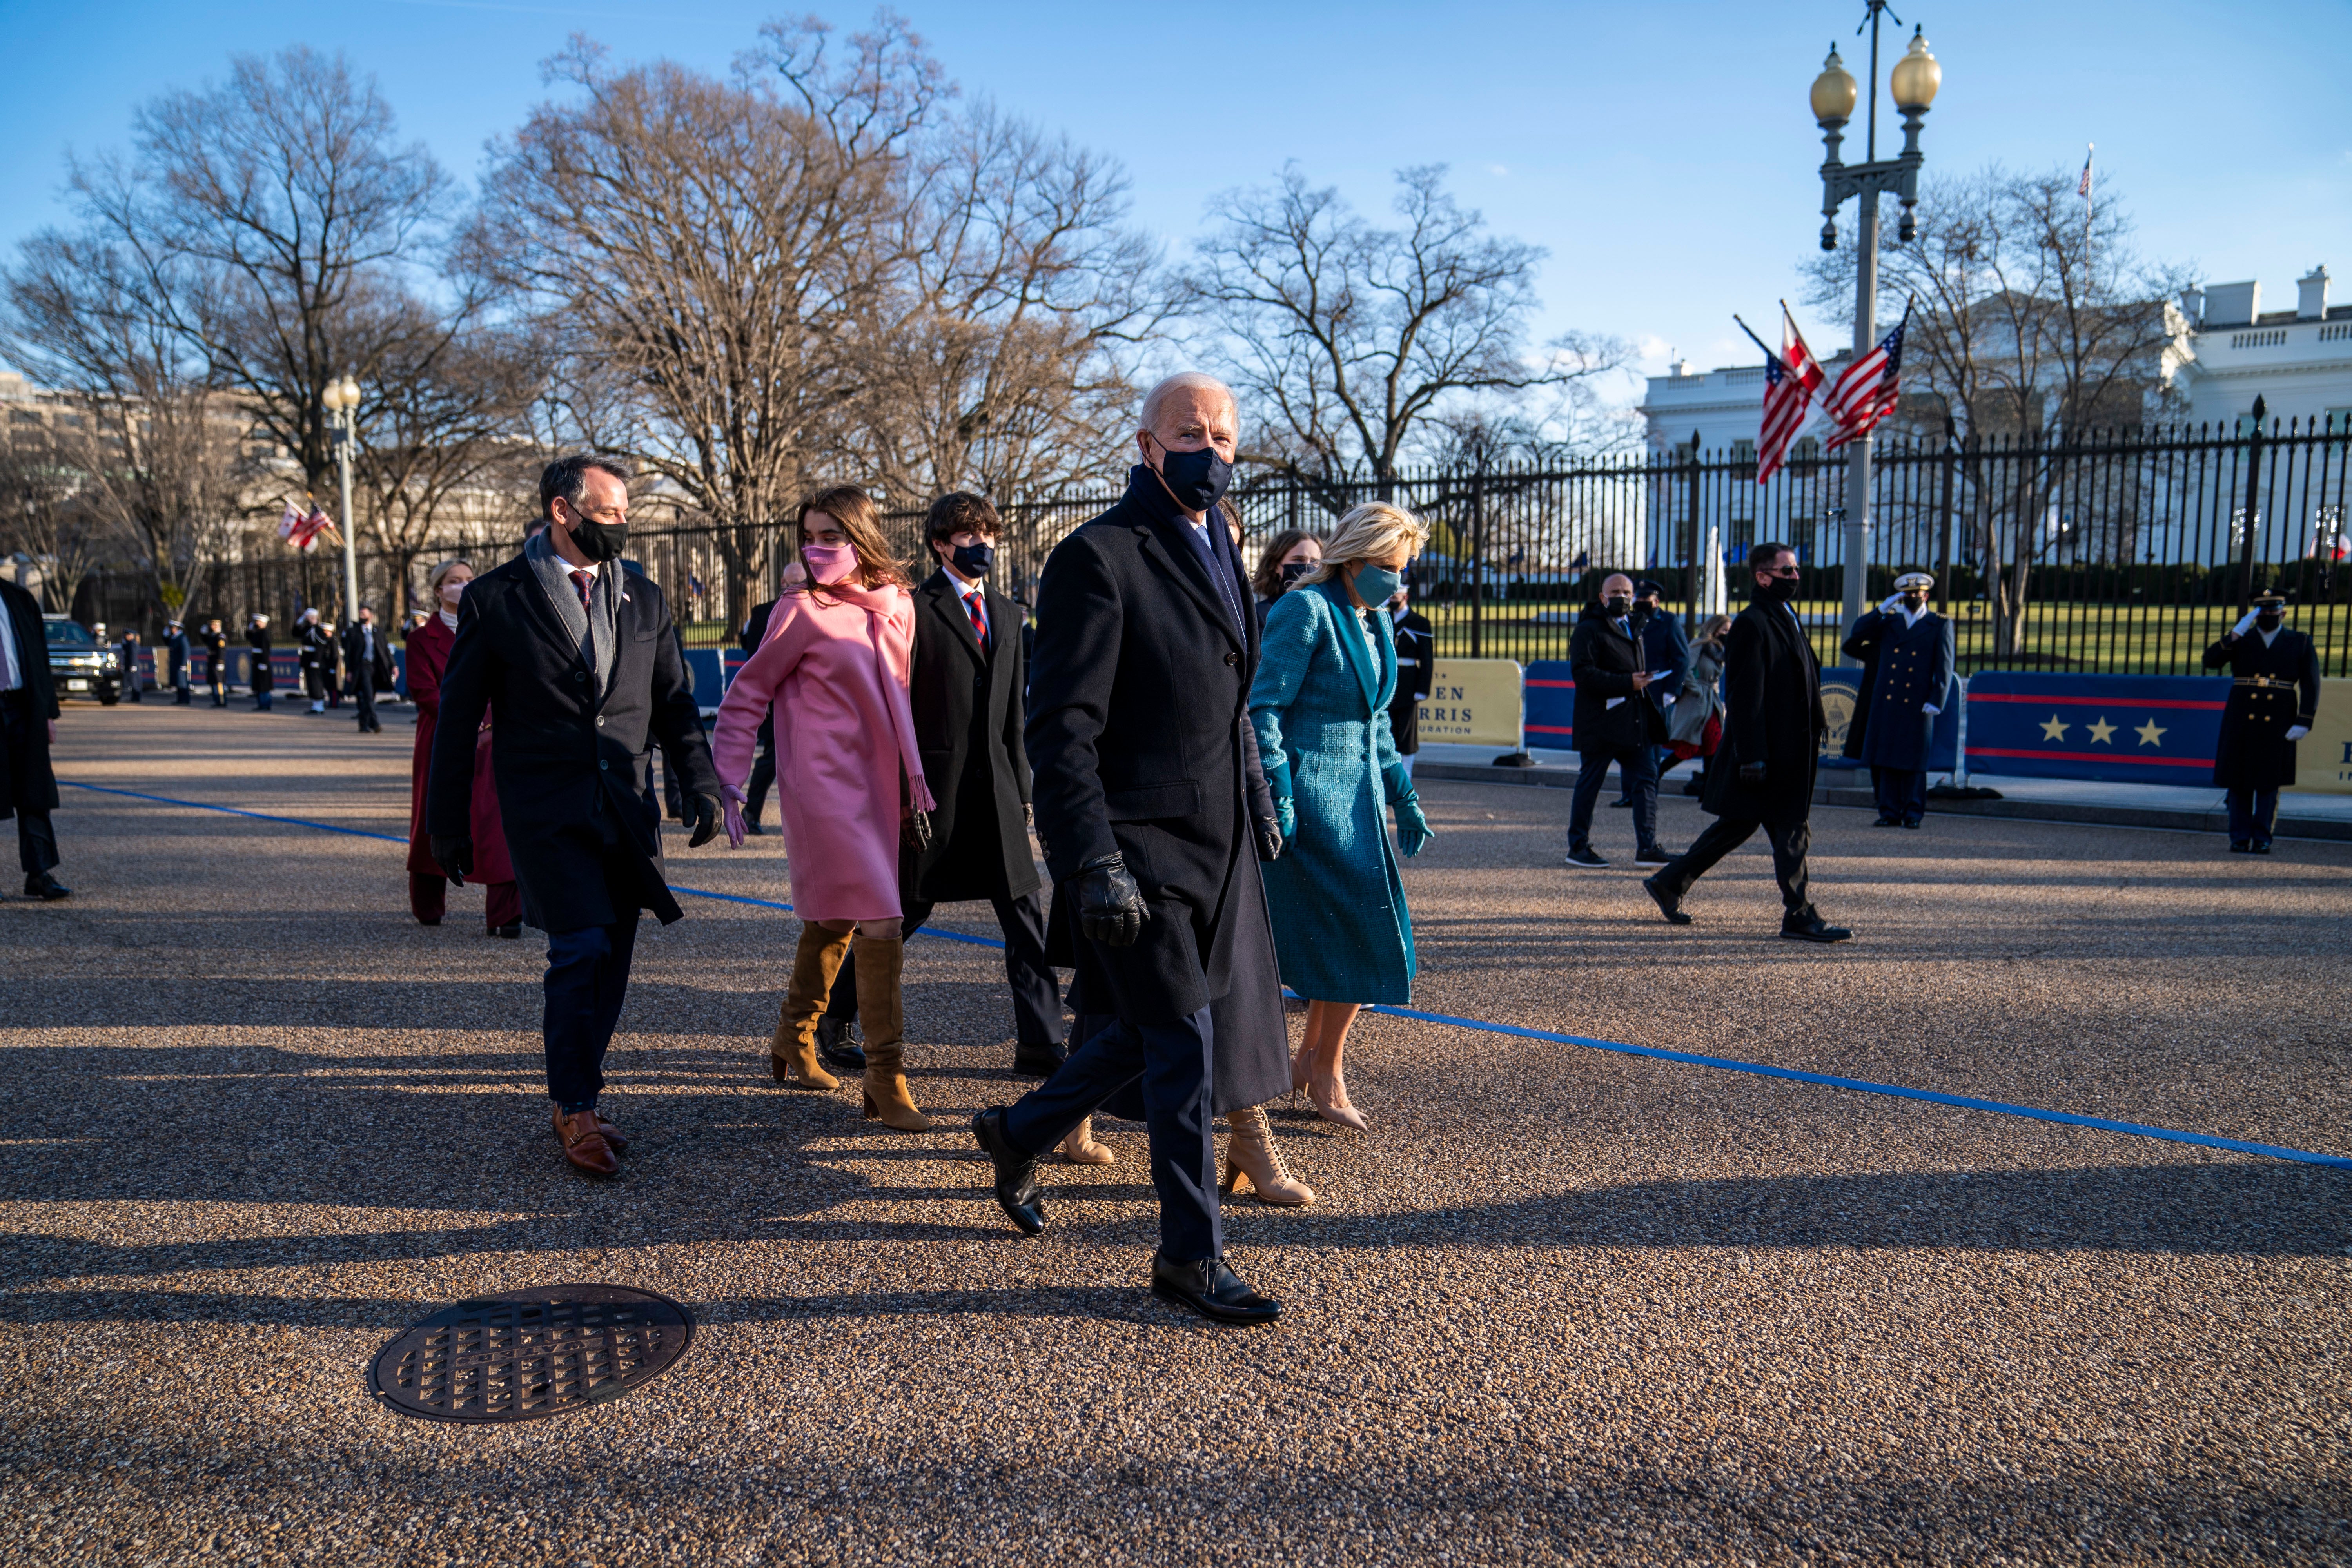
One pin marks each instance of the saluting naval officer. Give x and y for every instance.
(1906, 648)
(2272, 704)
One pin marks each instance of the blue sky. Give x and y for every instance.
(1663, 153)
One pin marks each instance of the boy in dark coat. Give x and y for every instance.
(2272, 703)
(1907, 653)
(1762, 777)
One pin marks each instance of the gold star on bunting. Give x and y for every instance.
(2054, 728)
(2102, 730)
(2149, 734)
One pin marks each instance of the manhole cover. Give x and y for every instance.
(528, 1354)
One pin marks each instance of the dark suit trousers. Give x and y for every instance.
(587, 980)
(1176, 1062)
(1637, 766)
(1725, 834)
(764, 773)
(363, 693)
(1902, 792)
(2253, 815)
(1036, 995)
(37, 840)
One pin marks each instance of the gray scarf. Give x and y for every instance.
(594, 645)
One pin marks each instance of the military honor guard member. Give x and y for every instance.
(2271, 705)
(1907, 653)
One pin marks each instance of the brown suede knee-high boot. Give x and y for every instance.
(882, 1008)
(792, 1052)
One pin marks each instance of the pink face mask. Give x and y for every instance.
(829, 563)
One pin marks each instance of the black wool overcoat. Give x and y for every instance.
(2277, 687)
(385, 671)
(568, 766)
(26, 782)
(1771, 714)
(968, 719)
(1140, 741)
(261, 675)
(1603, 661)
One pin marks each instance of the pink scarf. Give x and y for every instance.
(877, 604)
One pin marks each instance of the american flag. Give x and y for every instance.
(1867, 391)
(302, 529)
(1790, 379)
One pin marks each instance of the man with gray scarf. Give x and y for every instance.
(582, 666)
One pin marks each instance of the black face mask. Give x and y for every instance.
(975, 560)
(1291, 571)
(1915, 601)
(1197, 479)
(2269, 620)
(1641, 613)
(1779, 589)
(599, 541)
(1617, 603)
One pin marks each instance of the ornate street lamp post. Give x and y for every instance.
(1913, 85)
(343, 402)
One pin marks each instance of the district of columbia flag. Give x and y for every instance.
(1867, 394)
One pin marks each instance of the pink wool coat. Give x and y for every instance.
(834, 663)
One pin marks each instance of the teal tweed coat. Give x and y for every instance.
(1320, 705)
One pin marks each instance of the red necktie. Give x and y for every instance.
(979, 620)
(584, 581)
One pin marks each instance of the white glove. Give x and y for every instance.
(2246, 623)
(2297, 731)
(1929, 709)
(1890, 603)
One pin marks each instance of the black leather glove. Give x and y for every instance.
(706, 821)
(1269, 838)
(915, 829)
(1752, 775)
(1111, 906)
(455, 857)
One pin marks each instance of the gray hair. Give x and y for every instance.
(1156, 400)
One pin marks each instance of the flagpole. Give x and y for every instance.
(1857, 495)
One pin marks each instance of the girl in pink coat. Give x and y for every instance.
(849, 785)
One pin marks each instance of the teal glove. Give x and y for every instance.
(1285, 816)
(1413, 828)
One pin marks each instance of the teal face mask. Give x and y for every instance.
(1376, 585)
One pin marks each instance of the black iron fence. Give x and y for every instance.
(2123, 552)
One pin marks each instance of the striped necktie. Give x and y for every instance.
(972, 607)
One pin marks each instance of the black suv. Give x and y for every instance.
(79, 665)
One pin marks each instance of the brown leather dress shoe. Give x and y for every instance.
(584, 1144)
(612, 1133)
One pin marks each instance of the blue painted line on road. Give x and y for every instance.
(1683, 1058)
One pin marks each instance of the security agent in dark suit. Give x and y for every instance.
(1666, 653)
(1763, 774)
(1906, 649)
(965, 685)
(367, 667)
(1615, 722)
(2273, 703)
(580, 661)
(28, 727)
(1147, 808)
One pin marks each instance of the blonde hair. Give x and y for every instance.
(433, 579)
(1373, 529)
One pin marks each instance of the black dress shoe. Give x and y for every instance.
(509, 932)
(2263, 848)
(1669, 904)
(2241, 848)
(1017, 1193)
(751, 826)
(1888, 821)
(1811, 928)
(1211, 1290)
(1037, 1060)
(837, 1044)
(1912, 823)
(1621, 804)
(41, 885)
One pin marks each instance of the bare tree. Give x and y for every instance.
(280, 229)
(1351, 335)
(154, 451)
(707, 250)
(2034, 325)
(993, 365)
(42, 514)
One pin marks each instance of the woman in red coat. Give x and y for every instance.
(428, 890)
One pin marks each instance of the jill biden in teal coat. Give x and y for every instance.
(1320, 706)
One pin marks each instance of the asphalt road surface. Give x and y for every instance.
(1559, 1305)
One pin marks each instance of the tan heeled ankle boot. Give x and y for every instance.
(1253, 1164)
(1080, 1148)
(881, 1009)
(791, 1049)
